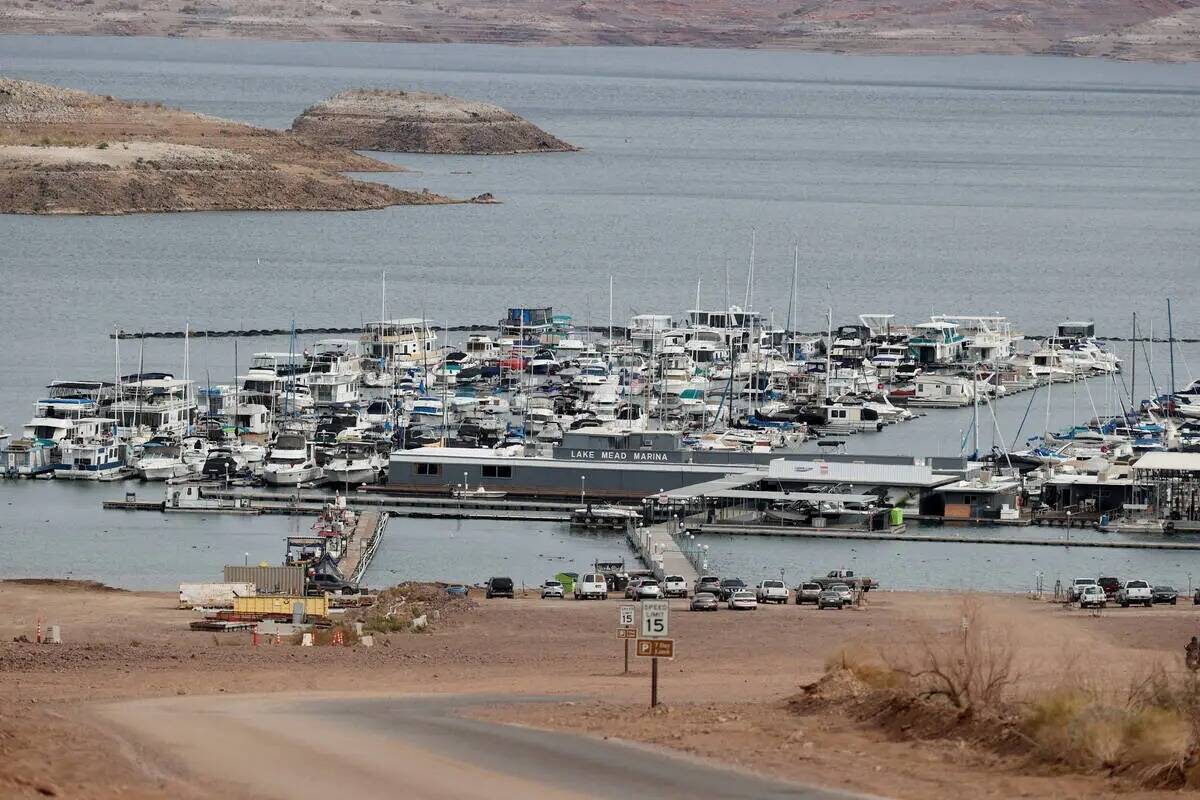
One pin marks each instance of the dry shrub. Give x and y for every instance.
(867, 665)
(1150, 736)
(972, 668)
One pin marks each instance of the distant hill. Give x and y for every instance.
(1167, 30)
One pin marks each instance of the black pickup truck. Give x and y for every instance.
(319, 584)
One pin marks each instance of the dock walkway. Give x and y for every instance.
(659, 551)
(363, 544)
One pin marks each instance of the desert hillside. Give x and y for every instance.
(69, 152)
(419, 122)
(1166, 30)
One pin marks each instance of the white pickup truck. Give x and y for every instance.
(675, 586)
(1135, 592)
(771, 591)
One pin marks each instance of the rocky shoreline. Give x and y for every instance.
(420, 122)
(69, 152)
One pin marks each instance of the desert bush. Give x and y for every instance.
(972, 668)
(1150, 735)
(867, 665)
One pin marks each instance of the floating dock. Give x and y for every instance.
(814, 533)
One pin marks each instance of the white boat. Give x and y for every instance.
(97, 459)
(290, 461)
(29, 458)
(942, 391)
(161, 459)
(604, 516)
(154, 404)
(354, 463)
(478, 493)
(4, 438)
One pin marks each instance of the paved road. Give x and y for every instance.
(299, 747)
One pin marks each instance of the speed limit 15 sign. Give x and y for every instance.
(654, 619)
(625, 618)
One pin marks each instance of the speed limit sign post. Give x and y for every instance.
(655, 625)
(626, 630)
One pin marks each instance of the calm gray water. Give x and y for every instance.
(1038, 188)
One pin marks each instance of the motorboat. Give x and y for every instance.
(290, 461)
(478, 493)
(354, 463)
(161, 459)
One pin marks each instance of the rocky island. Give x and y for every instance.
(420, 122)
(70, 152)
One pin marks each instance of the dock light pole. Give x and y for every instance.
(1068, 527)
(245, 559)
(582, 484)
(464, 480)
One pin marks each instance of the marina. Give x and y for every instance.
(668, 432)
(725, 378)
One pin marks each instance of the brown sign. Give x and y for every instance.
(656, 648)
(626, 633)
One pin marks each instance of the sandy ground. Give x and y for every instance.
(725, 694)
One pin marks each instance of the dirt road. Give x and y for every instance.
(368, 745)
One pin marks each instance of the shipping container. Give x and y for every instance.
(213, 595)
(269, 580)
(274, 604)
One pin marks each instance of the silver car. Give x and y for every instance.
(844, 592)
(705, 601)
(648, 589)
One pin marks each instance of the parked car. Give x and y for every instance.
(552, 589)
(457, 590)
(705, 601)
(1135, 592)
(1196, 598)
(828, 598)
(707, 583)
(631, 588)
(321, 583)
(1077, 587)
(743, 600)
(1110, 586)
(808, 593)
(731, 585)
(648, 589)
(591, 584)
(1164, 594)
(675, 586)
(1092, 596)
(844, 592)
(500, 587)
(771, 591)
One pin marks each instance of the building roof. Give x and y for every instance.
(918, 475)
(1169, 462)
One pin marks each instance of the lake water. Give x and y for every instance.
(1034, 187)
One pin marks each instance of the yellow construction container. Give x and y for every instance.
(279, 604)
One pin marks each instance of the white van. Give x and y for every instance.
(591, 585)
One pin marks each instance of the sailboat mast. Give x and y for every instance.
(1133, 346)
(828, 349)
(610, 311)
(1171, 345)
